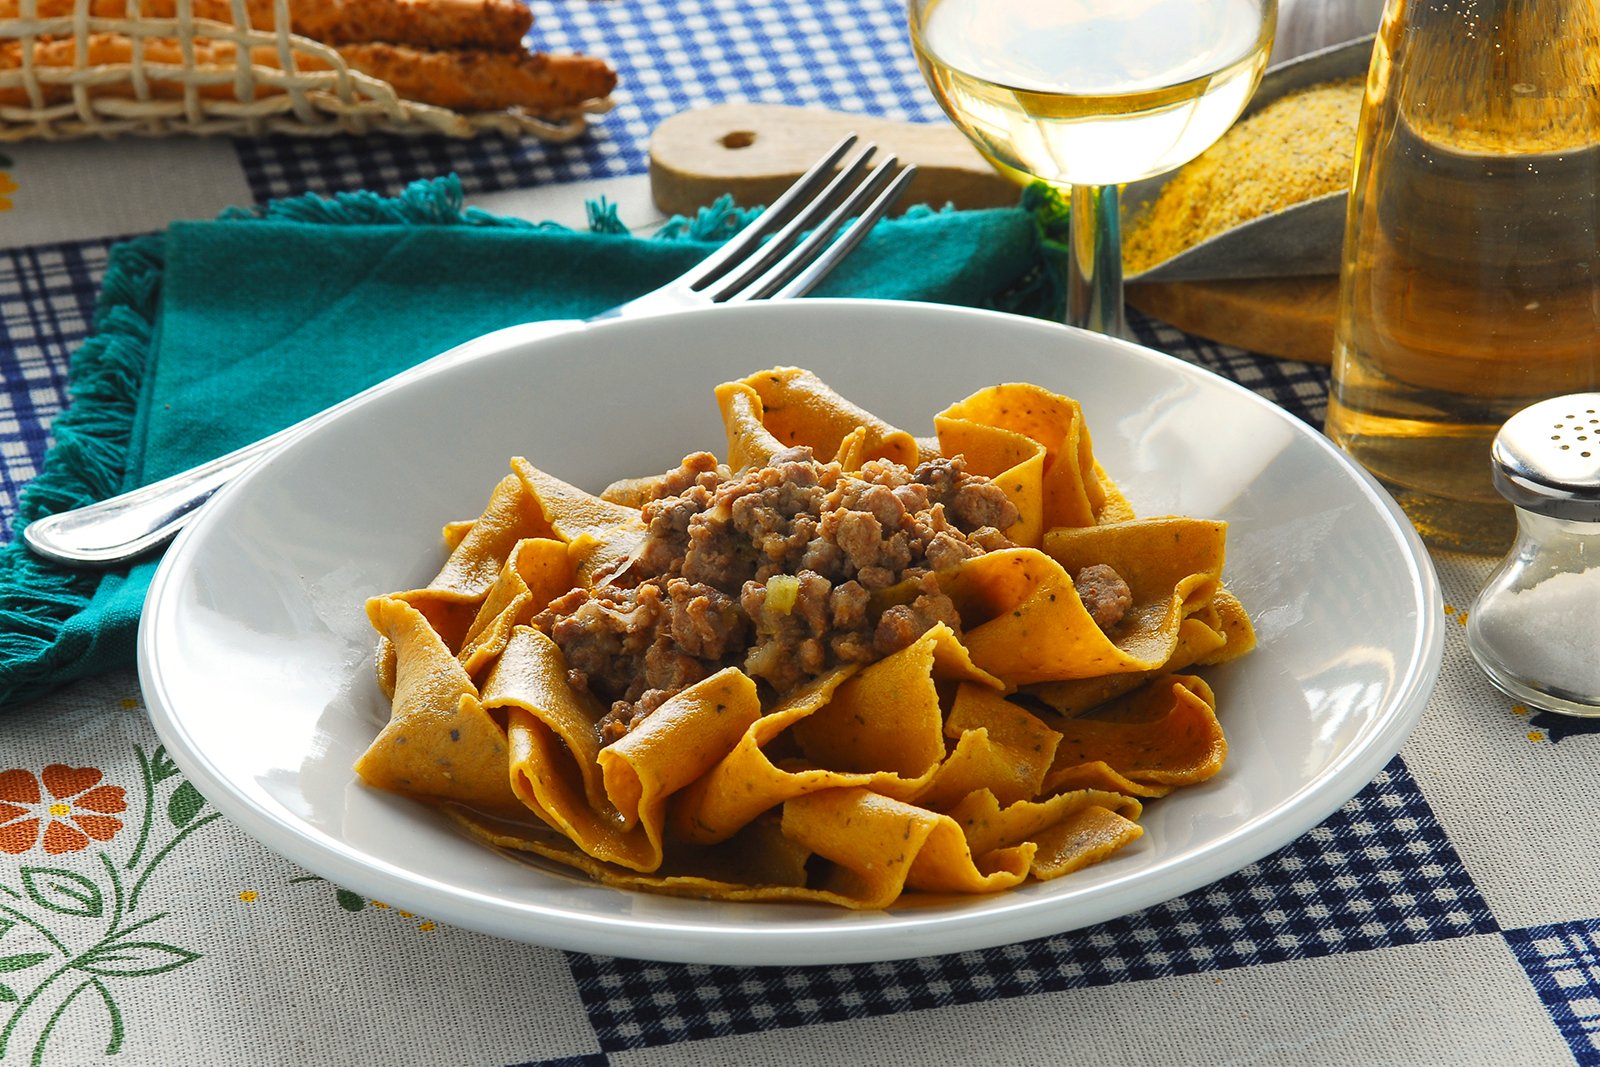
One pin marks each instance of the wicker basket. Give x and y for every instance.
(143, 97)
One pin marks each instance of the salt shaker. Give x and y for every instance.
(1535, 627)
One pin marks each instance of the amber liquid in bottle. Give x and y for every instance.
(1471, 281)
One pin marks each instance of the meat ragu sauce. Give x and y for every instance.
(772, 569)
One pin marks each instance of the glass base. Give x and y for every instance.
(1558, 701)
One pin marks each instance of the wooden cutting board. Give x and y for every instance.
(754, 151)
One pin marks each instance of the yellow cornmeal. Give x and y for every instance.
(1297, 148)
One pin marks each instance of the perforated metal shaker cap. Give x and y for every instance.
(1547, 458)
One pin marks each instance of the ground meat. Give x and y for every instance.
(697, 468)
(680, 496)
(1104, 593)
(638, 646)
(773, 570)
(901, 624)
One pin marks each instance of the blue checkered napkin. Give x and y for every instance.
(670, 55)
(1563, 962)
(47, 297)
(1380, 872)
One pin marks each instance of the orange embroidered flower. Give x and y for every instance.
(72, 808)
(7, 187)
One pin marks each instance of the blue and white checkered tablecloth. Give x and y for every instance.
(1449, 913)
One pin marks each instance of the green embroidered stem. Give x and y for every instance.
(50, 1024)
(148, 774)
(28, 920)
(155, 861)
(27, 1002)
(114, 936)
(118, 1029)
(117, 899)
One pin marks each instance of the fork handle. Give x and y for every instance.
(126, 526)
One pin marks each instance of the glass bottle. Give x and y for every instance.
(1470, 285)
(1535, 627)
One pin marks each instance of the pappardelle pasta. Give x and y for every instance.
(840, 663)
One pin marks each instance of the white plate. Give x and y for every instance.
(255, 655)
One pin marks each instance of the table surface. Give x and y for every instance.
(1449, 913)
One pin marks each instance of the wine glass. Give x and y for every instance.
(1088, 95)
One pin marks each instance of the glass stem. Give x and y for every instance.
(1094, 274)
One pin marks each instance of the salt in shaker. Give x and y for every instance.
(1535, 627)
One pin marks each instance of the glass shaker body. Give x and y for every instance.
(1535, 627)
(1470, 285)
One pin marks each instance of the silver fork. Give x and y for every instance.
(783, 254)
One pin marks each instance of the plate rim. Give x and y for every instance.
(800, 942)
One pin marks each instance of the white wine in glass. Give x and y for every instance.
(1090, 94)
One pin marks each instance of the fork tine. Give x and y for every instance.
(807, 219)
(814, 258)
(797, 195)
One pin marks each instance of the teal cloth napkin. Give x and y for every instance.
(213, 334)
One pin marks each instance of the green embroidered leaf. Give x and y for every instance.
(161, 765)
(22, 960)
(351, 901)
(7, 994)
(185, 804)
(129, 959)
(64, 892)
(5, 926)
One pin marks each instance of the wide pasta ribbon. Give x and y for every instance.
(879, 727)
(879, 845)
(527, 503)
(611, 803)
(798, 408)
(439, 744)
(1028, 623)
(479, 551)
(999, 747)
(1035, 445)
(1215, 634)
(759, 863)
(538, 570)
(1145, 744)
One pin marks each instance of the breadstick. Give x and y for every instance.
(460, 80)
(106, 49)
(467, 80)
(498, 25)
